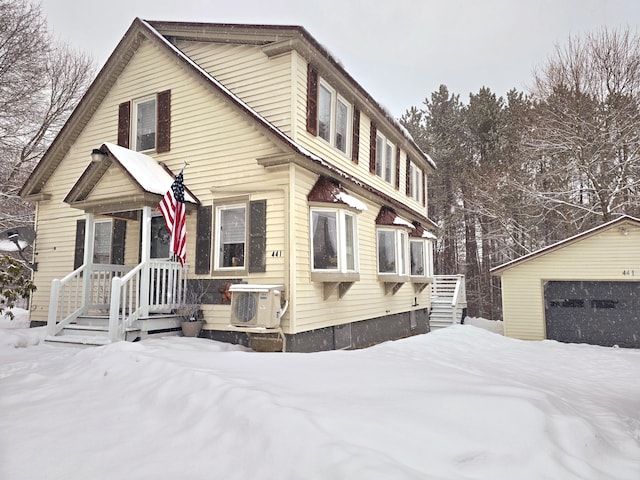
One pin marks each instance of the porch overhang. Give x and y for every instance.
(140, 181)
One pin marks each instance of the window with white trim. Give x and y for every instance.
(392, 251)
(334, 114)
(333, 240)
(144, 124)
(385, 160)
(421, 257)
(415, 182)
(231, 237)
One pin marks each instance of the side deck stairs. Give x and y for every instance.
(448, 301)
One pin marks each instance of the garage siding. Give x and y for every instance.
(611, 254)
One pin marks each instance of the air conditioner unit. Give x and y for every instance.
(256, 305)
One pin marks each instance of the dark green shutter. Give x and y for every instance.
(257, 236)
(203, 239)
(118, 234)
(78, 258)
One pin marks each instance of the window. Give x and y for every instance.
(415, 182)
(392, 251)
(333, 240)
(102, 241)
(385, 167)
(420, 253)
(144, 124)
(333, 117)
(241, 233)
(231, 238)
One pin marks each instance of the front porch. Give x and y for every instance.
(103, 303)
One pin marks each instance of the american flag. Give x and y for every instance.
(173, 210)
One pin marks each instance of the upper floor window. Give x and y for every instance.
(144, 124)
(330, 116)
(333, 240)
(333, 117)
(415, 182)
(385, 165)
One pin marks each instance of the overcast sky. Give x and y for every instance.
(400, 51)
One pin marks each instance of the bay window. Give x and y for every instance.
(333, 240)
(392, 251)
(421, 255)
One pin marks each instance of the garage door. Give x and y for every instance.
(599, 313)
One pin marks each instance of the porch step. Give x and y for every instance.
(88, 335)
(78, 341)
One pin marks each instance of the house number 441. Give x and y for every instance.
(630, 273)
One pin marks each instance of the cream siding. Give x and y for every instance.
(338, 158)
(366, 298)
(263, 83)
(220, 145)
(604, 256)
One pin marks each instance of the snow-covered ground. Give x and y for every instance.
(459, 403)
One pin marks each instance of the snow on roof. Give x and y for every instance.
(351, 201)
(429, 235)
(497, 270)
(149, 174)
(401, 221)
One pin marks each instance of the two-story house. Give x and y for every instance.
(296, 181)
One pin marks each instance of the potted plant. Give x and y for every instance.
(189, 310)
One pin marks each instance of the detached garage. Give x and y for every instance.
(585, 289)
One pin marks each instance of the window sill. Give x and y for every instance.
(392, 282)
(335, 281)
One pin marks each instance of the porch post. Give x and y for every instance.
(145, 256)
(88, 259)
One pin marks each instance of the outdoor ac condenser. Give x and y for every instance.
(256, 305)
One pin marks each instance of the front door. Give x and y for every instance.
(160, 238)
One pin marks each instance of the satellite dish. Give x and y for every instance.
(16, 239)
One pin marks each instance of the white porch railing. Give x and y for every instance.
(163, 280)
(117, 290)
(86, 289)
(448, 300)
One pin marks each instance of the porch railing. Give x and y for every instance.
(126, 294)
(87, 289)
(155, 286)
(448, 297)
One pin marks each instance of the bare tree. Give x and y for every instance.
(586, 143)
(41, 82)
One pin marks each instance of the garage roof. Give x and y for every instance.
(543, 251)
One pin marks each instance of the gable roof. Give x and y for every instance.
(149, 176)
(141, 30)
(566, 242)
